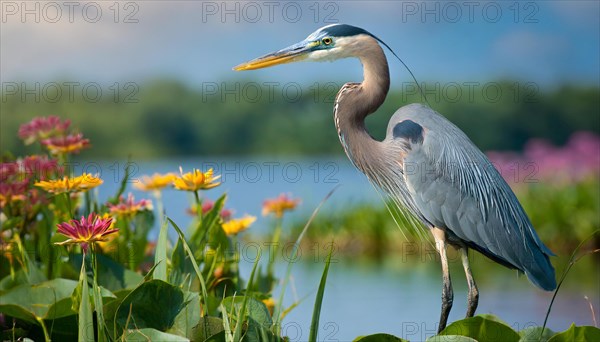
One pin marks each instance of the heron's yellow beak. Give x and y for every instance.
(294, 53)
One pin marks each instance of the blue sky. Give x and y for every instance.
(549, 42)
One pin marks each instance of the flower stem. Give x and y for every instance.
(159, 208)
(273, 252)
(69, 205)
(198, 202)
(97, 293)
(44, 329)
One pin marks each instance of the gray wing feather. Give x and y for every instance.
(454, 186)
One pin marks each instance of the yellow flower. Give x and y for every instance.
(279, 205)
(233, 227)
(80, 183)
(196, 180)
(270, 304)
(155, 182)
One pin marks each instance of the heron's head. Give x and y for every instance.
(327, 43)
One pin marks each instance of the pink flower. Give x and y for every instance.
(40, 167)
(42, 128)
(8, 170)
(578, 159)
(12, 191)
(129, 206)
(72, 143)
(207, 206)
(86, 231)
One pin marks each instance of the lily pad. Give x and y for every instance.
(379, 338)
(32, 302)
(575, 333)
(154, 304)
(482, 329)
(534, 334)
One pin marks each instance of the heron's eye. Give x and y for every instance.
(327, 40)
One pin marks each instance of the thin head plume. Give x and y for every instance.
(407, 68)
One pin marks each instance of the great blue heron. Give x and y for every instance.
(428, 167)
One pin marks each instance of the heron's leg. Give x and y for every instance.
(447, 294)
(473, 298)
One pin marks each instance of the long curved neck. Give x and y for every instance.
(357, 100)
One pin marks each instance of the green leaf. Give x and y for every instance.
(86, 318)
(149, 334)
(189, 252)
(124, 183)
(493, 318)
(110, 312)
(188, 318)
(237, 335)
(208, 222)
(30, 301)
(450, 338)
(574, 333)
(379, 338)
(255, 309)
(160, 253)
(111, 274)
(62, 308)
(314, 325)
(153, 304)
(532, 334)
(207, 327)
(481, 329)
(34, 276)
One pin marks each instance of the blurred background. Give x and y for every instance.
(150, 84)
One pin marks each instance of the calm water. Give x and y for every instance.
(401, 297)
(404, 299)
(248, 182)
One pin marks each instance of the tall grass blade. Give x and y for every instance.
(277, 311)
(160, 254)
(572, 261)
(237, 336)
(86, 318)
(187, 249)
(124, 182)
(314, 325)
(226, 325)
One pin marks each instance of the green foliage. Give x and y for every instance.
(563, 213)
(85, 316)
(208, 327)
(41, 301)
(482, 329)
(574, 333)
(153, 304)
(490, 328)
(535, 334)
(173, 119)
(450, 338)
(379, 338)
(160, 256)
(149, 334)
(314, 325)
(111, 274)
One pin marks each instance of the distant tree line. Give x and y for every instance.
(167, 118)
